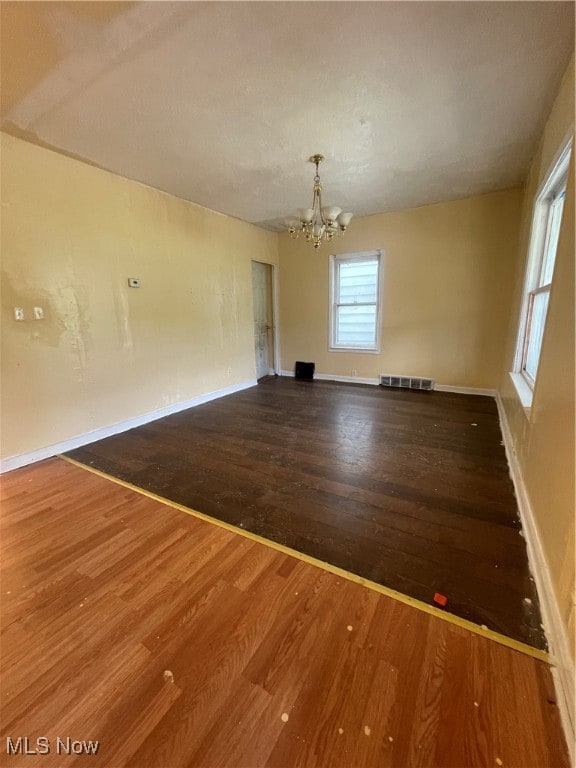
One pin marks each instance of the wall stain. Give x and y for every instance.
(122, 307)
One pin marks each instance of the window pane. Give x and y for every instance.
(358, 281)
(356, 326)
(538, 309)
(551, 242)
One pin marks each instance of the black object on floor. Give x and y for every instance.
(304, 371)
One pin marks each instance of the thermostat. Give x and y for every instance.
(134, 282)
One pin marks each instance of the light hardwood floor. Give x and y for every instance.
(273, 662)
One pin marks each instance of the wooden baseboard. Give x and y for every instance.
(563, 666)
(14, 462)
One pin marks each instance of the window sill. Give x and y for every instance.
(523, 390)
(354, 349)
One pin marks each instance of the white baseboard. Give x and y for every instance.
(333, 377)
(14, 462)
(465, 390)
(346, 379)
(376, 381)
(563, 667)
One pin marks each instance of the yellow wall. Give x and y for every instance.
(544, 440)
(448, 274)
(71, 237)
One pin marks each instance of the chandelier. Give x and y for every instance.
(317, 223)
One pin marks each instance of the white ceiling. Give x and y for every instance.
(222, 103)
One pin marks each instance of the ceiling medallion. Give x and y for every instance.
(317, 223)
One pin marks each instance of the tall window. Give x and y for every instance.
(542, 255)
(355, 294)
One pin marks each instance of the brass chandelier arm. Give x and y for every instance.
(319, 194)
(314, 196)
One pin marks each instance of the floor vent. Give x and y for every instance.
(406, 382)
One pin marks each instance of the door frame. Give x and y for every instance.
(275, 303)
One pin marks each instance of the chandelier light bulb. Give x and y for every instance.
(343, 220)
(306, 215)
(331, 213)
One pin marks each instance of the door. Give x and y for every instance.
(263, 318)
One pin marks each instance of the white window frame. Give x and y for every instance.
(335, 261)
(553, 185)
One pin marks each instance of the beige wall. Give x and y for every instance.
(448, 274)
(71, 237)
(544, 439)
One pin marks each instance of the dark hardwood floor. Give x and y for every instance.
(408, 489)
(174, 643)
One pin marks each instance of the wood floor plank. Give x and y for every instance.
(179, 645)
(408, 489)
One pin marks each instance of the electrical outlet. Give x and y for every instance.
(354, 373)
(18, 313)
(38, 313)
(134, 282)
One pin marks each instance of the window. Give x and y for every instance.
(538, 296)
(542, 255)
(355, 295)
